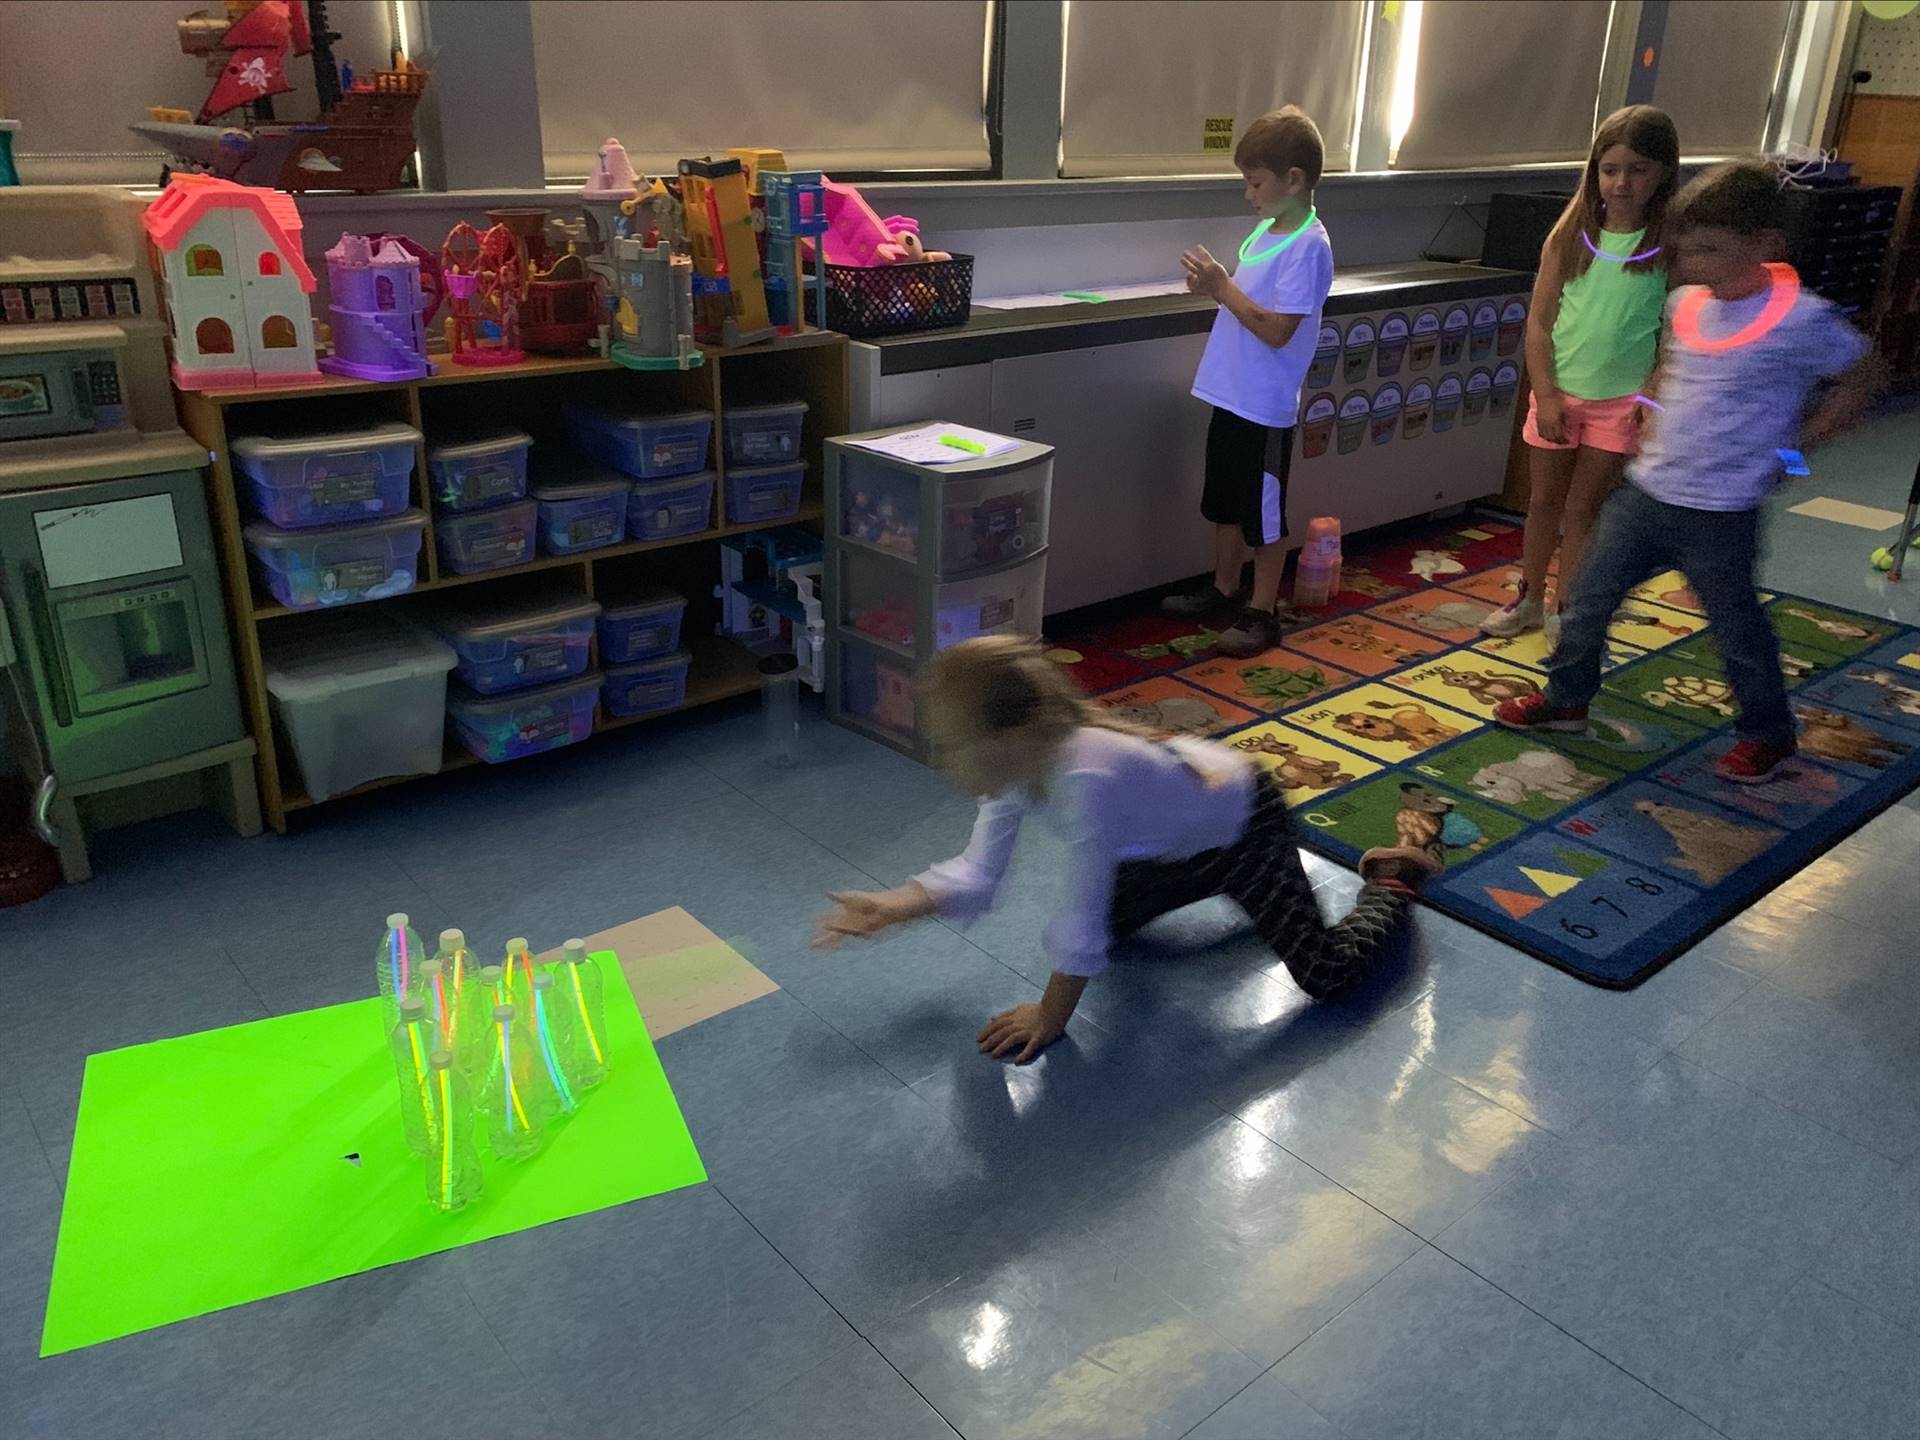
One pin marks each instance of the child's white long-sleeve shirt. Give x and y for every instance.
(1114, 797)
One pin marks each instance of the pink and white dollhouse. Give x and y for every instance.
(236, 284)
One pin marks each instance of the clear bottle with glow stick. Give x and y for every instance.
(555, 1037)
(396, 966)
(413, 1040)
(582, 990)
(521, 968)
(461, 969)
(454, 1176)
(515, 1118)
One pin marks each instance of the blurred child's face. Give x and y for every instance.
(1725, 261)
(1269, 193)
(1628, 180)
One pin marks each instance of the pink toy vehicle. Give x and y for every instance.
(855, 235)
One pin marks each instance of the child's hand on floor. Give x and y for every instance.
(862, 914)
(1205, 275)
(1022, 1032)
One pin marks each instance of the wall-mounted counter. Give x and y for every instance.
(1407, 410)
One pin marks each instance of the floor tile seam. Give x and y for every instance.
(1589, 1347)
(1894, 1160)
(527, 1381)
(1659, 1053)
(247, 980)
(46, 1156)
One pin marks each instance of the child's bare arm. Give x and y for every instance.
(1207, 276)
(1025, 1030)
(1844, 402)
(862, 914)
(1549, 409)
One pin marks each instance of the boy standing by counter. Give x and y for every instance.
(1251, 373)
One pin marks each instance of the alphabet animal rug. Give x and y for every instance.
(1605, 854)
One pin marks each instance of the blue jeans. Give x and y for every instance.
(1637, 537)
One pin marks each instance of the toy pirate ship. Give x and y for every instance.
(362, 140)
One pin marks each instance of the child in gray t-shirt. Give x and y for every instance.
(1746, 351)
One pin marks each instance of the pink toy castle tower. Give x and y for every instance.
(378, 311)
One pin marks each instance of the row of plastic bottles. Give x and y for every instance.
(503, 1049)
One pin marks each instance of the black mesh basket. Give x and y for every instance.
(892, 299)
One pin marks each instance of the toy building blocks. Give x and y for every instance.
(236, 284)
(730, 301)
(796, 213)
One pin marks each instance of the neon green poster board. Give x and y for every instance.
(217, 1169)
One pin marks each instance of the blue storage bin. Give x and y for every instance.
(338, 565)
(531, 641)
(473, 474)
(578, 515)
(523, 722)
(764, 434)
(649, 688)
(764, 493)
(665, 509)
(641, 629)
(333, 477)
(475, 541)
(647, 447)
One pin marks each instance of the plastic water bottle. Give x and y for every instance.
(578, 977)
(396, 965)
(1316, 577)
(780, 697)
(515, 1124)
(413, 1040)
(454, 1176)
(554, 1044)
(520, 969)
(460, 970)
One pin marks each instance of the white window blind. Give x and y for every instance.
(1149, 83)
(1502, 82)
(837, 85)
(76, 75)
(1716, 69)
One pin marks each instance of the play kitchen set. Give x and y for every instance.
(936, 534)
(119, 670)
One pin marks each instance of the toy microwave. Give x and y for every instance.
(60, 380)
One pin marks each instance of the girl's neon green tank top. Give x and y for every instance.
(1608, 329)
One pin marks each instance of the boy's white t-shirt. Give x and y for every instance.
(1240, 371)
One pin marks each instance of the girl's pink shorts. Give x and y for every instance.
(1598, 424)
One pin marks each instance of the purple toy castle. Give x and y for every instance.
(378, 309)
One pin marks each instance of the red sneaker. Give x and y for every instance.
(1752, 762)
(1532, 712)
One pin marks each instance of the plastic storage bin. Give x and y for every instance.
(641, 629)
(328, 478)
(339, 565)
(361, 699)
(764, 492)
(647, 688)
(472, 474)
(647, 447)
(764, 434)
(878, 600)
(986, 518)
(532, 641)
(584, 514)
(664, 509)
(877, 692)
(523, 722)
(479, 540)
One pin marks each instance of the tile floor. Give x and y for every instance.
(1483, 1201)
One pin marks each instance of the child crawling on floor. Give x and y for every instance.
(1152, 826)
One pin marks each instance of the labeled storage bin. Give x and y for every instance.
(641, 629)
(523, 722)
(332, 477)
(764, 492)
(764, 434)
(473, 474)
(876, 692)
(338, 565)
(509, 646)
(362, 698)
(475, 541)
(1004, 602)
(649, 688)
(647, 447)
(578, 515)
(985, 512)
(667, 509)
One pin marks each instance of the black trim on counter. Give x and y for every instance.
(1002, 334)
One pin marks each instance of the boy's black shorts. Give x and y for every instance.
(1246, 483)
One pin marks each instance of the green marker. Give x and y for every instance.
(972, 447)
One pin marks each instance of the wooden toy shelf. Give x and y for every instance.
(810, 367)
